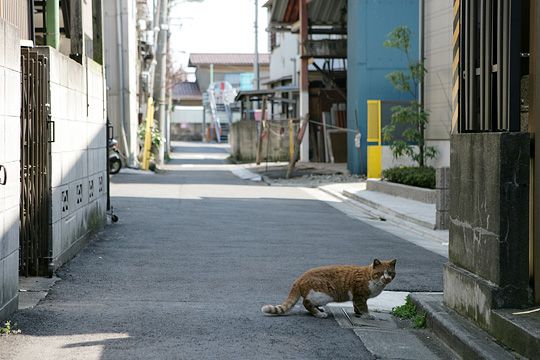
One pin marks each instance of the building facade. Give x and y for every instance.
(53, 185)
(121, 63)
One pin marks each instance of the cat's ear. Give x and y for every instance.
(376, 262)
(393, 262)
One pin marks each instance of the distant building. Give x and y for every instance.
(187, 93)
(187, 115)
(237, 69)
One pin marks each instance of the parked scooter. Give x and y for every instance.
(115, 161)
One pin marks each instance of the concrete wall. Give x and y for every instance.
(243, 141)
(10, 130)
(489, 224)
(443, 157)
(79, 154)
(187, 115)
(126, 89)
(186, 132)
(186, 123)
(438, 81)
(369, 22)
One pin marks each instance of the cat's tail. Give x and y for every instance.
(293, 297)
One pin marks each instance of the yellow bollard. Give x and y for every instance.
(148, 134)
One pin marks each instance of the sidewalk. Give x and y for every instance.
(414, 221)
(413, 215)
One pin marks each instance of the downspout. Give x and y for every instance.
(421, 86)
(52, 23)
(119, 27)
(421, 30)
(256, 62)
(31, 28)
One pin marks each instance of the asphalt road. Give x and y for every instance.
(195, 255)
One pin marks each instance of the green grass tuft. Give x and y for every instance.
(408, 311)
(9, 329)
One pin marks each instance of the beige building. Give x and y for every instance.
(438, 80)
(227, 67)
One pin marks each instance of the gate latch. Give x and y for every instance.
(3, 175)
(50, 124)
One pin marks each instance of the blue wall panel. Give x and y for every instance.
(369, 23)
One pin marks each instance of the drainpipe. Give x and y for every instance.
(421, 86)
(421, 48)
(256, 62)
(31, 28)
(52, 12)
(121, 88)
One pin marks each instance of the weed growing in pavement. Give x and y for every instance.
(408, 311)
(8, 329)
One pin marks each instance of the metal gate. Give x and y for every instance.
(35, 249)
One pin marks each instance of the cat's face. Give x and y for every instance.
(384, 270)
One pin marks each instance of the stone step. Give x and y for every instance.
(461, 335)
(520, 332)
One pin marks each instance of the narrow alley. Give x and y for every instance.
(195, 254)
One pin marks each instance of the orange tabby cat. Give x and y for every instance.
(338, 283)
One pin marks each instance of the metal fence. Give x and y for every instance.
(35, 248)
(489, 45)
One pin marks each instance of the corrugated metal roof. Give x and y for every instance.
(321, 12)
(186, 91)
(227, 59)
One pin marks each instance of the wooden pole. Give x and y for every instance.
(304, 77)
(262, 127)
(297, 143)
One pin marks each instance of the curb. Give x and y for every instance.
(427, 196)
(387, 210)
(464, 338)
(400, 222)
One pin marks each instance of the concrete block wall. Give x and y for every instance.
(10, 129)
(78, 154)
(243, 141)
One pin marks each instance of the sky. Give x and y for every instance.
(220, 26)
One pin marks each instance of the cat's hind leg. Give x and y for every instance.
(313, 310)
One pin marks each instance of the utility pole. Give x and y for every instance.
(256, 64)
(161, 75)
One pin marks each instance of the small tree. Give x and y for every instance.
(412, 115)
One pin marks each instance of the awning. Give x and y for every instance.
(321, 12)
(254, 95)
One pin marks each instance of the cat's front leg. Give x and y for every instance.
(361, 308)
